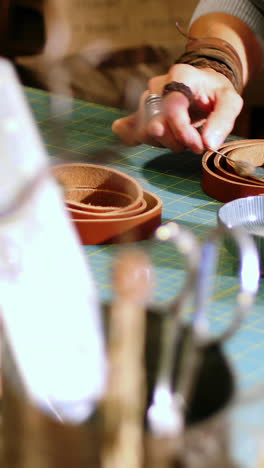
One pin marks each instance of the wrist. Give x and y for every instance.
(233, 30)
(216, 54)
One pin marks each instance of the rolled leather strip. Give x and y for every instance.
(106, 214)
(81, 214)
(119, 229)
(97, 199)
(222, 187)
(222, 169)
(252, 153)
(98, 186)
(244, 150)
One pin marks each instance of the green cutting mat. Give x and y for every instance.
(176, 180)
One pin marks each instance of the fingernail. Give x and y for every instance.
(115, 124)
(215, 139)
(156, 129)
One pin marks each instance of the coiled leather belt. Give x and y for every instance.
(219, 179)
(107, 205)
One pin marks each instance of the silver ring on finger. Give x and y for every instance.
(152, 106)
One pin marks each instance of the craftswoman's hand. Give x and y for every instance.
(205, 123)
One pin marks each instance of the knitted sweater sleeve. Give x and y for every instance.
(250, 12)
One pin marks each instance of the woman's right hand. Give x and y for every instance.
(205, 123)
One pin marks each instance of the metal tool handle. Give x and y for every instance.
(249, 274)
(165, 414)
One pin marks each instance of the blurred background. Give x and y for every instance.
(87, 38)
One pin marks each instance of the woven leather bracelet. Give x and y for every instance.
(216, 54)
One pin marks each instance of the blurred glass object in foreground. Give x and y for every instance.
(50, 310)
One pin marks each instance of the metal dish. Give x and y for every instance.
(247, 213)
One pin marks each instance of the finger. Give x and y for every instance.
(132, 129)
(156, 126)
(176, 112)
(132, 133)
(146, 123)
(220, 122)
(137, 128)
(126, 129)
(155, 131)
(166, 138)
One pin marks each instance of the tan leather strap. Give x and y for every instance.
(95, 187)
(107, 205)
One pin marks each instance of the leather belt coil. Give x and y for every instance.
(106, 205)
(219, 179)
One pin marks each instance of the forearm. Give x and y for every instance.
(237, 33)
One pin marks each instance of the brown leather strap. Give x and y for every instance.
(222, 168)
(107, 205)
(219, 179)
(83, 214)
(122, 229)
